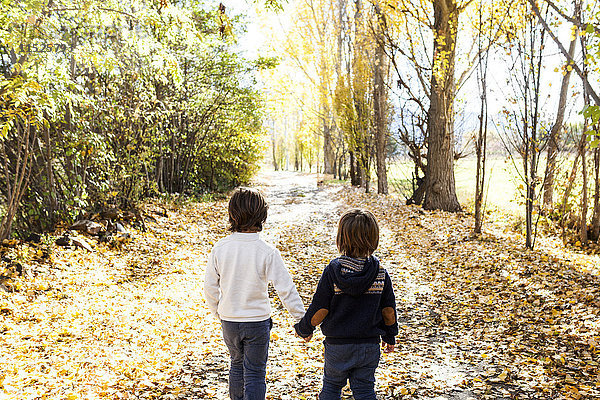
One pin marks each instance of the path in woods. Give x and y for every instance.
(479, 317)
(302, 223)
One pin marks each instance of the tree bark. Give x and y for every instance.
(481, 142)
(328, 155)
(481, 150)
(354, 181)
(569, 188)
(26, 135)
(440, 191)
(583, 235)
(556, 129)
(595, 229)
(327, 146)
(380, 107)
(532, 143)
(50, 175)
(365, 164)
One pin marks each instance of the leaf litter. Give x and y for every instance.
(480, 317)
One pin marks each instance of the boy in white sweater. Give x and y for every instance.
(239, 269)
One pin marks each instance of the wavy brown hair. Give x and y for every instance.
(247, 210)
(358, 233)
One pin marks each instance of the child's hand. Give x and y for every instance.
(306, 339)
(387, 348)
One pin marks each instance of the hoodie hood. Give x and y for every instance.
(356, 283)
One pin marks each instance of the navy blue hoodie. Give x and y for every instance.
(354, 292)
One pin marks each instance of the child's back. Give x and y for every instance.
(239, 269)
(355, 303)
(361, 290)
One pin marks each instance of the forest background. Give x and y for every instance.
(110, 103)
(469, 128)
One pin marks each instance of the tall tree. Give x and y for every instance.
(380, 100)
(481, 139)
(557, 127)
(440, 190)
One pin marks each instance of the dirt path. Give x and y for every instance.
(302, 223)
(480, 318)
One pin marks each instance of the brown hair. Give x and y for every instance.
(358, 233)
(247, 210)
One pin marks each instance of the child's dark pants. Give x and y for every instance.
(356, 362)
(248, 344)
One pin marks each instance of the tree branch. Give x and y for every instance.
(564, 52)
(580, 24)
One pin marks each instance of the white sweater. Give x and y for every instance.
(239, 269)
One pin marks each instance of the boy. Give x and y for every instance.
(237, 275)
(355, 302)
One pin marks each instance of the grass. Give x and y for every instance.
(502, 182)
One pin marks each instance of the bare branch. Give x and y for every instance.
(564, 52)
(580, 24)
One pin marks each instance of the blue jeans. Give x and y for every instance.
(248, 344)
(356, 362)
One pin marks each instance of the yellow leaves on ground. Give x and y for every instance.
(116, 323)
(479, 317)
(487, 310)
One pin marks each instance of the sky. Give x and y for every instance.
(250, 42)
(259, 21)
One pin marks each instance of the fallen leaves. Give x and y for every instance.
(502, 309)
(479, 317)
(113, 323)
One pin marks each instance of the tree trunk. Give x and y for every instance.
(440, 191)
(17, 184)
(325, 121)
(532, 142)
(50, 176)
(327, 146)
(481, 142)
(354, 170)
(595, 231)
(380, 106)
(365, 170)
(583, 236)
(555, 132)
(480, 149)
(569, 187)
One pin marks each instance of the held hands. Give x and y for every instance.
(306, 339)
(387, 348)
(296, 330)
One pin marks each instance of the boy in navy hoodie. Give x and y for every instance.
(355, 303)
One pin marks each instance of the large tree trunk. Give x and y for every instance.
(380, 107)
(554, 133)
(440, 191)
